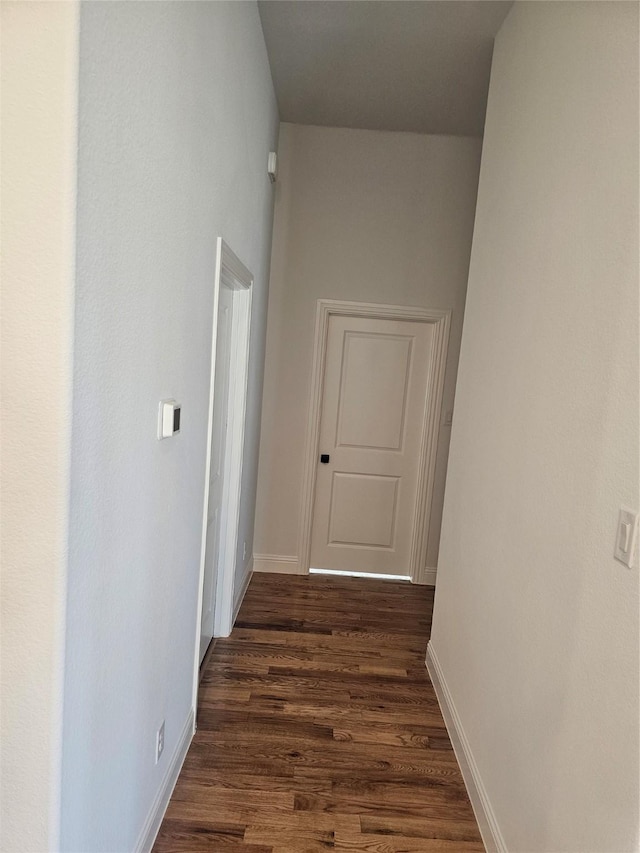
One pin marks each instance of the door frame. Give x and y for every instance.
(232, 273)
(441, 322)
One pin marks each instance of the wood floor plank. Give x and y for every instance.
(410, 827)
(399, 844)
(319, 730)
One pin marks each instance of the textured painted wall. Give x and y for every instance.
(177, 115)
(39, 102)
(536, 624)
(368, 216)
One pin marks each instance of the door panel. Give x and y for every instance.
(373, 408)
(363, 510)
(385, 360)
(216, 505)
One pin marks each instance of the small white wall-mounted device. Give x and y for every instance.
(272, 166)
(168, 419)
(626, 537)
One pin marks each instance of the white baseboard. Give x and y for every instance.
(429, 576)
(243, 589)
(489, 829)
(151, 827)
(277, 564)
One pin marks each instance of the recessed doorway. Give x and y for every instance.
(227, 406)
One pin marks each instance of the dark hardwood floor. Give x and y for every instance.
(318, 729)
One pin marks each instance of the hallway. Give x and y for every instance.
(318, 729)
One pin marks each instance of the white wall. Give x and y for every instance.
(536, 624)
(39, 101)
(367, 216)
(177, 115)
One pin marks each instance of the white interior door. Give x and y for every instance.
(373, 408)
(216, 523)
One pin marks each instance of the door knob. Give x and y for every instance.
(324, 458)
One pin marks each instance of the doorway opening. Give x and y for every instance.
(225, 441)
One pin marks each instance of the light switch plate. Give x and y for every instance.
(626, 536)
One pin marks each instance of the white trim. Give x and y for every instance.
(489, 829)
(441, 321)
(239, 376)
(374, 575)
(241, 592)
(429, 575)
(152, 824)
(277, 564)
(238, 277)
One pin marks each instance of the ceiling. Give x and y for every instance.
(413, 65)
